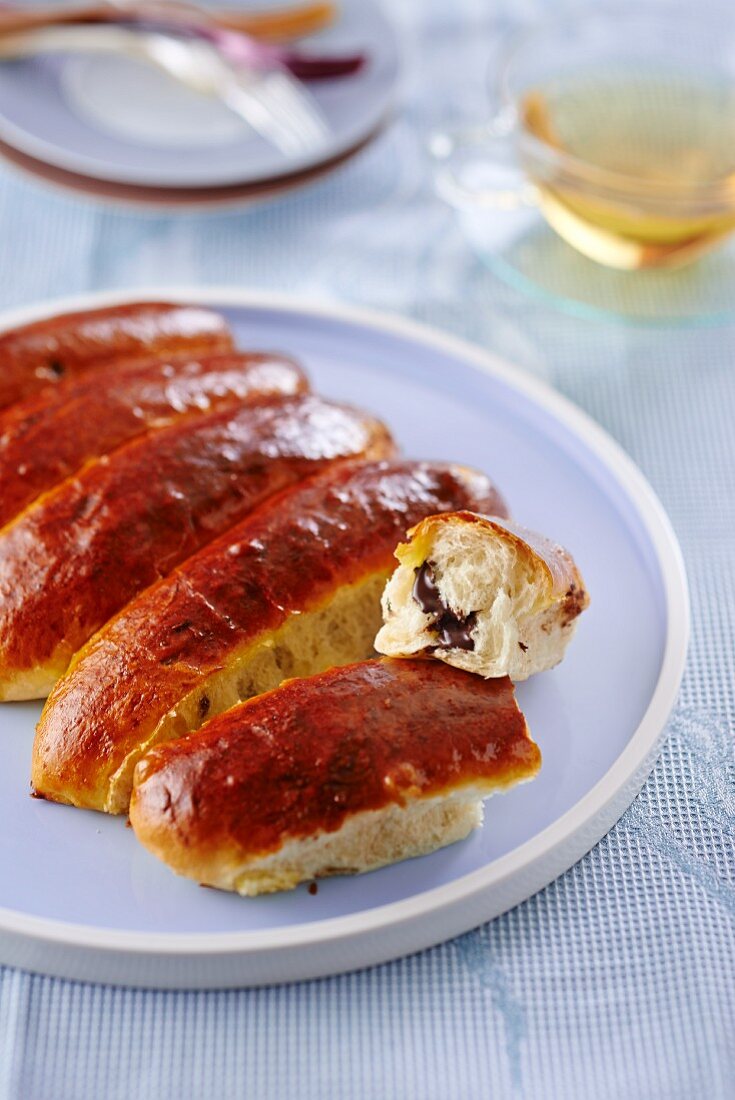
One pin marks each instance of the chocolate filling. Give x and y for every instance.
(426, 592)
(456, 633)
(452, 631)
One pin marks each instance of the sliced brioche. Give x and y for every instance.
(337, 774)
(53, 433)
(290, 591)
(75, 557)
(482, 594)
(44, 352)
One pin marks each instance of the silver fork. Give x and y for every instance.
(270, 100)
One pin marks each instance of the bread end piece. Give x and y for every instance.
(334, 774)
(482, 594)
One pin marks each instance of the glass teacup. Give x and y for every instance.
(618, 123)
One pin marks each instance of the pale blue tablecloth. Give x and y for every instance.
(617, 981)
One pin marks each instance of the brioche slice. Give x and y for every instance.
(482, 594)
(44, 352)
(338, 774)
(75, 557)
(53, 433)
(291, 591)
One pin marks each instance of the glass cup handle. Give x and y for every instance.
(478, 167)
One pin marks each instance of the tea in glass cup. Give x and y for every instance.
(620, 123)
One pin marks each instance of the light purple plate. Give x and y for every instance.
(79, 896)
(121, 121)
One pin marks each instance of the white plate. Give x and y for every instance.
(80, 898)
(117, 120)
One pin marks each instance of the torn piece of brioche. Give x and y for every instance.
(290, 591)
(43, 352)
(84, 549)
(483, 594)
(51, 434)
(338, 774)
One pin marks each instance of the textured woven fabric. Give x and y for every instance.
(618, 980)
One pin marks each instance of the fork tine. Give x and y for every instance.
(298, 104)
(295, 126)
(249, 103)
(297, 129)
(290, 110)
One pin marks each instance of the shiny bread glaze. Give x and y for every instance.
(51, 434)
(300, 760)
(75, 557)
(286, 558)
(43, 352)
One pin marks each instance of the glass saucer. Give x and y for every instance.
(521, 249)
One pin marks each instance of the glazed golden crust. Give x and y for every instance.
(290, 556)
(299, 761)
(52, 434)
(74, 558)
(44, 352)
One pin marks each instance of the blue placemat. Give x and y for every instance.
(619, 979)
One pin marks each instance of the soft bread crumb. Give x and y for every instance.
(520, 624)
(31, 683)
(365, 842)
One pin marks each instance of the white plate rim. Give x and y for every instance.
(80, 188)
(446, 910)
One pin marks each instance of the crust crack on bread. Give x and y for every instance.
(340, 773)
(482, 594)
(288, 591)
